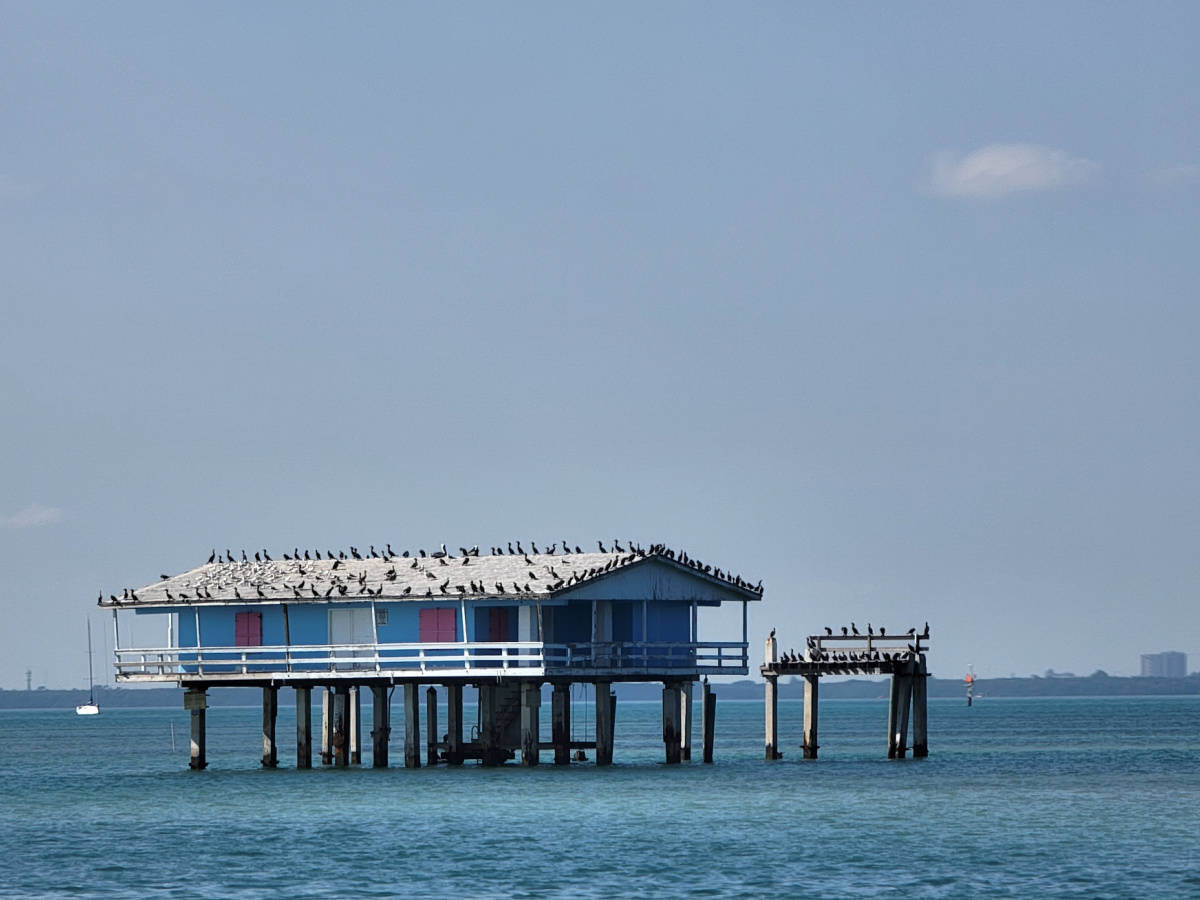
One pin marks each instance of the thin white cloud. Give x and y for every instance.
(34, 515)
(1000, 169)
(1176, 175)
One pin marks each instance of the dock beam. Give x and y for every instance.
(431, 726)
(901, 700)
(341, 726)
(303, 728)
(685, 720)
(412, 727)
(381, 730)
(327, 727)
(355, 702)
(270, 706)
(811, 700)
(708, 711)
(671, 709)
(560, 723)
(920, 734)
(454, 748)
(606, 703)
(771, 708)
(531, 708)
(196, 702)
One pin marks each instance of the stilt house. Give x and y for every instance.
(504, 622)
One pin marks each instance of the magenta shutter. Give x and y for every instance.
(247, 629)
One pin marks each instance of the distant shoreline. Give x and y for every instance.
(1097, 685)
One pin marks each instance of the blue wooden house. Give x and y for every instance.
(504, 622)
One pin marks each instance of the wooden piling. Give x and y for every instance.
(354, 702)
(920, 720)
(811, 700)
(196, 702)
(560, 723)
(412, 727)
(431, 726)
(685, 720)
(531, 707)
(341, 726)
(381, 726)
(327, 727)
(771, 711)
(708, 710)
(900, 701)
(605, 714)
(671, 710)
(454, 753)
(304, 728)
(270, 709)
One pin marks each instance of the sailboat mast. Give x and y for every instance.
(91, 686)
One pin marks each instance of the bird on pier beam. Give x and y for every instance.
(925, 633)
(772, 634)
(845, 632)
(854, 628)
(828, 631)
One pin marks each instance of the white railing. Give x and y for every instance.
(484, 658)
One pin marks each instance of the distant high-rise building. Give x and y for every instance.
(1169, 664)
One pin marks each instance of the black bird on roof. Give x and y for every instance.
(441, 559)
(288, 558)
(236, 593)
(617, 546)
(772, 634)
(577, 550)
(499, 587)
(257, 556)
(405, 554)
(428, 592)
(228, 555)
(336, 563)
(244, 557)
(466, 560)
(438, 554)
(315, 592)
(422, 552)
(354, 552)
(342, 590)
(295, 592)
(306, 556)
(407, 590)
(266, 556)
(414, 563)
(212, 555)
(534, 546)
(374, 555)
(258, 590)
(316, 554)
(460, 588)
(600, 544)
(389, 551)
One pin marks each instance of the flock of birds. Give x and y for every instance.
(439, 573)
(859, 660)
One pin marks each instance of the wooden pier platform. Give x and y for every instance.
(900, 655)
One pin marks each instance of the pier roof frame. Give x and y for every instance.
(551, 576)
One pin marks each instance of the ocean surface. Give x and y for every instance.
(1085, 797)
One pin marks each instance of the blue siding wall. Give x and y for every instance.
(668, 621)
(571, 624)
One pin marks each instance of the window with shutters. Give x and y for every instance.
(438, 626)
(247, 629)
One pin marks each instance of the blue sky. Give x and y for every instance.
(891, 306)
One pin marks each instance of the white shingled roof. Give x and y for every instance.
(406, 578)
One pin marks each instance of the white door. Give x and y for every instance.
(352, 626)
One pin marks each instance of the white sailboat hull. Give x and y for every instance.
(87, 709)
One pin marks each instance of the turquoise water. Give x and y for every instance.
(1019, 798)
